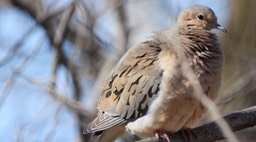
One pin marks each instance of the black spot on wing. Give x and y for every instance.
(122, 73)
(133, 93)
(157, 89)
(143, 100)
(141, 56)
(131, 115)
(142, 111)
(127, 102)
(132, 67)
(108, 94)
(118, 93)
(135, 82)
(150, 93)
(112, 80)
(117, 98)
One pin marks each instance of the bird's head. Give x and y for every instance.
(199, 17)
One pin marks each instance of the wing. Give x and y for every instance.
(131, 87)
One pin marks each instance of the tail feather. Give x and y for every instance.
(109, 135)
(103, 122)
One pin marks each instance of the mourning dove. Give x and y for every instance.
(147, 92)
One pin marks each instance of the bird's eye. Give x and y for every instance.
(200, 17)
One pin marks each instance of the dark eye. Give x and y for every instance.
(200, 17)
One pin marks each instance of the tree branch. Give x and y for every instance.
(211, 132)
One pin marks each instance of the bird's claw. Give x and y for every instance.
(164, 134)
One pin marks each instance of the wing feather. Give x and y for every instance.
(131, 87)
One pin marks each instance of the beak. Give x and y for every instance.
(218, 26)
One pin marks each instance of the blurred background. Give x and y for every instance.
(54, 56)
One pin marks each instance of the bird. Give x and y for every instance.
(147, 92)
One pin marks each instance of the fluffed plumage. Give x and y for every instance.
(147, 91)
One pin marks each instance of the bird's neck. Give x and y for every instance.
(202, 49)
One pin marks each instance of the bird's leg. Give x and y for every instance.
(188, 133)
(165, 134)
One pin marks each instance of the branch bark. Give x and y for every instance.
(211, 132)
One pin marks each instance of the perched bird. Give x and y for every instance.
(147, 92)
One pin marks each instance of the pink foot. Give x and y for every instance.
(165, 134)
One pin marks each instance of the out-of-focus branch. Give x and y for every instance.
(120, 44)
(211, 132)
(45, 20)
(241, 86)
(57, 35)
(122, 22)
(15, 48)
(60, 58)
(71, 104)
(75, 106)
(10, 82)
(33, 12)
(56, 39)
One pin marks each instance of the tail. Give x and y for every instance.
(108, 135)
(106, 128)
